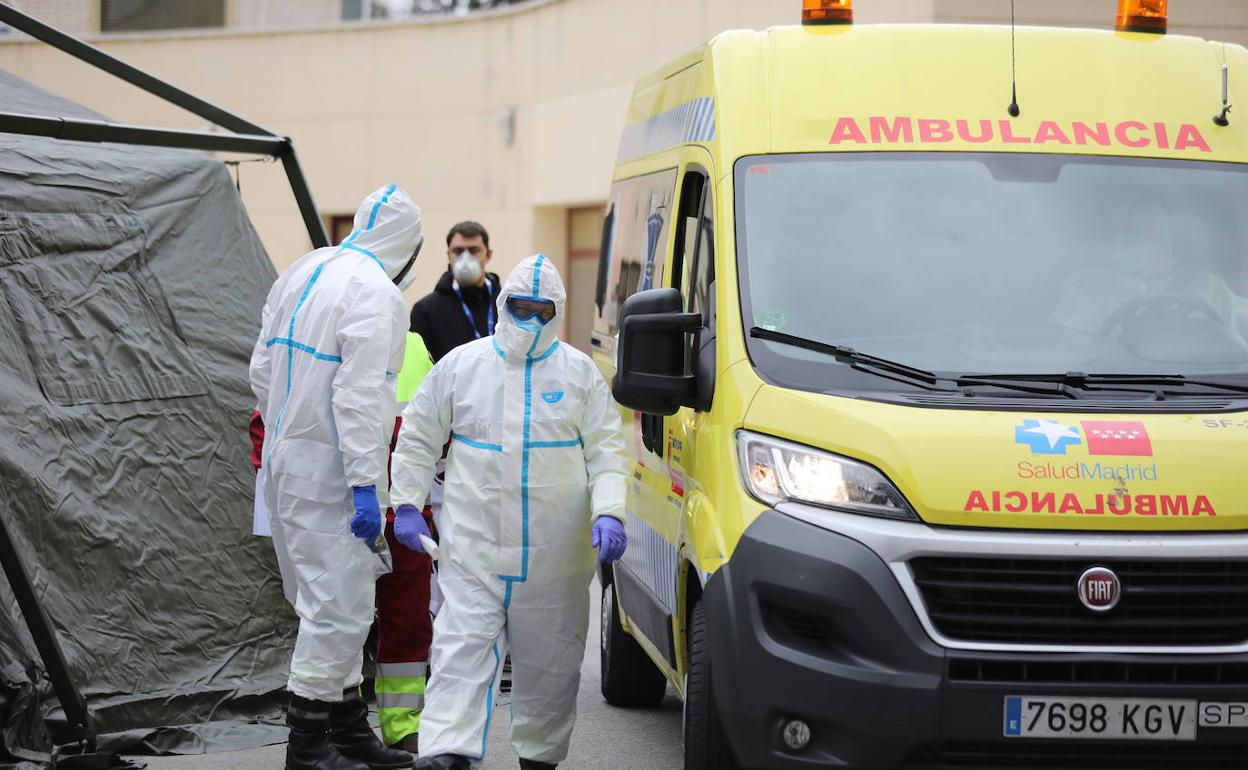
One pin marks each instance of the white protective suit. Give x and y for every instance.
(536, 454)
(323, 370)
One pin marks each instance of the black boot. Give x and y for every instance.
(529, 764)
(350, 733)
(443, 762)
(309, 747)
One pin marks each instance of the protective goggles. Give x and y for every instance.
(524, 308)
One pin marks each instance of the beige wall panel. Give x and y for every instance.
(550, 236)
(584, 244)
(584, 128)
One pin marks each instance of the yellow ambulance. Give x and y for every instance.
(931, 344)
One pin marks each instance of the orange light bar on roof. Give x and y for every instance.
(1142, 16)
(827, 11)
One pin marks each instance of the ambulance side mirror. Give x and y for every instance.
(651, 374)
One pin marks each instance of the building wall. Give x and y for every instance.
(428, 103)
(74, 18)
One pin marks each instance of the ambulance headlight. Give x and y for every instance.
(776, 471)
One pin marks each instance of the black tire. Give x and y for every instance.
(706, 746)
(629, 678)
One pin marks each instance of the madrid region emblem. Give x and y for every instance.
(1047, 437)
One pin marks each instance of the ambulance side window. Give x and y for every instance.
(685, 255)
(604, 258)
(703, 271)
(634, 243)
(693, 263)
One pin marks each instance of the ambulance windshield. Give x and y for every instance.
(977, 263)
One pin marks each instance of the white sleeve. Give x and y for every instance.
(425, 430)
(261, 370)
(366, 340)
(606, 460)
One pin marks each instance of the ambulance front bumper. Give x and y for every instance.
(817, 617)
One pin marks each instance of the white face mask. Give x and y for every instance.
(467, 269)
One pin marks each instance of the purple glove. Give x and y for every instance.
(409, 525)
(609, 538)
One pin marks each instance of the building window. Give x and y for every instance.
(340, 226)
(356, 10)
(154, 15)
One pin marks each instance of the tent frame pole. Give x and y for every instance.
(41, 631)
(284, 150)
(99, 131)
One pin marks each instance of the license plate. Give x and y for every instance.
(1115, 719)
(1224, 715)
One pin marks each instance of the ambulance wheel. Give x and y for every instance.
(629, 678)
(706, 746)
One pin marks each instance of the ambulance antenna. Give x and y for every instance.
(1013, 109)
(1221, 118)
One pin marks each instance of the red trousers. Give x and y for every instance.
(404, 628)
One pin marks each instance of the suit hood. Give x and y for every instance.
(534, 278)
(388, 230)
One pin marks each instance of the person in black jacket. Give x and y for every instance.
(462, 306)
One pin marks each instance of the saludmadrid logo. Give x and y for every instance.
(1088, 471)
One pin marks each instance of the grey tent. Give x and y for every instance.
(131, 282)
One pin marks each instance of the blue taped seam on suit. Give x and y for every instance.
(303, 348)
(489, 702)
(476, 444)
(527, 444)
(349, 243)
(290, 351)
(352, 247)
(537, 274)
(372, 216)
(524, 469)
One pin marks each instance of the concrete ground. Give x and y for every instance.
(605, 737)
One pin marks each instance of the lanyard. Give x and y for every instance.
(472, 321)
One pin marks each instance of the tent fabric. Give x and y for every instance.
(131, 285)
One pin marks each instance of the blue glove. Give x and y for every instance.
(609, 538)
(366, 524)
(409, 525)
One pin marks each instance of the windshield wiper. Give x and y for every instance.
(1064, 385)
(1170, 384)
(880, 367)
(1069, 383)
(910, 375)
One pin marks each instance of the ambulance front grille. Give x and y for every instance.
(1186, 670)
(1035, 601)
